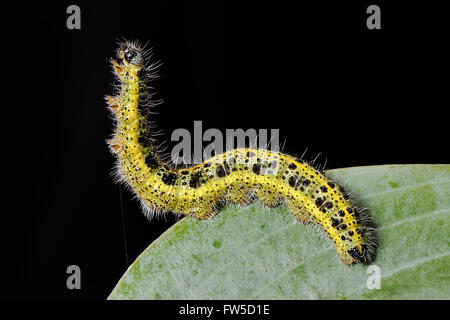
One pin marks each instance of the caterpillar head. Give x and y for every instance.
(359, 253)
(351, 253)
(130, 53)
(360, 248)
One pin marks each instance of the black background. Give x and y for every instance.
(309, 68)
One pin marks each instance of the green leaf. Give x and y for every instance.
(260, 253)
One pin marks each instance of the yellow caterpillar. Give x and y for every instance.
(236, 176)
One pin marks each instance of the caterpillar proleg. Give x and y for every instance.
(237, 176)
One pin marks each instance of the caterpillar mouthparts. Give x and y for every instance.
(237, 176)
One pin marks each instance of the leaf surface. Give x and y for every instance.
(260, 253)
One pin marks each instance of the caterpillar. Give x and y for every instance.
(238, 176)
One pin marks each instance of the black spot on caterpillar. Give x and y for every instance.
(237, 176)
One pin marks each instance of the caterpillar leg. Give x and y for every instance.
(241, 198)
(114, 145)
(269, 198)
(113, 103)
(298, 211)
(207, 215)
(200, 205)
(118, 69)
(204, 211)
